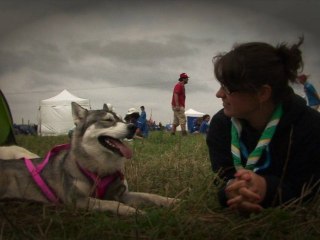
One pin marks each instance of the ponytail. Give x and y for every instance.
(291, 59)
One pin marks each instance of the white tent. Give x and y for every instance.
(55, 115)
(191, 115)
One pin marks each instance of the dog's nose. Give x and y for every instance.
(132, 127)
(131, 130)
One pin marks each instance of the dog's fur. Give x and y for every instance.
(96, 147)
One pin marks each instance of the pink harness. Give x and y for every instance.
(101, 184)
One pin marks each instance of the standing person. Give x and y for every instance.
(142, 129)
(178, 104)
(265, 142)
(311, 93)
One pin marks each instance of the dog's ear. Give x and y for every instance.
(105, 107)
(108, 107)
(78, 113)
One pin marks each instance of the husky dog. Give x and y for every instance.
(87, 173)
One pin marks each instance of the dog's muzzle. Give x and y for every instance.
(131, 130)
(115, 145)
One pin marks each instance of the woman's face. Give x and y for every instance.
(239, 104)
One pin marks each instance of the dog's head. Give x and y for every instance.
(99, 134)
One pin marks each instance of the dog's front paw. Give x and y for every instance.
(130, 211)
(172, 201)
(167, 202)
(125, 210)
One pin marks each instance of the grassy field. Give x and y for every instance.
(168, 165)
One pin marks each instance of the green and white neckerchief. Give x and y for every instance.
(263, 142)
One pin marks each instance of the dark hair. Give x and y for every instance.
(250, 65)
(205, 116)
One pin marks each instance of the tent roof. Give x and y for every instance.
(64, 97)
(193, 113)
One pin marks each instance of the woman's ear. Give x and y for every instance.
(265, 93)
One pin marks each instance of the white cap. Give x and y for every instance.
(132, 110)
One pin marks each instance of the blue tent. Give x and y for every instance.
(191, 116)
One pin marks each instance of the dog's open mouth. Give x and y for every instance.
(116, 145)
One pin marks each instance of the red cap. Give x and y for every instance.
(184, 75)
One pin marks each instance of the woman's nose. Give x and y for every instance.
(220, 93)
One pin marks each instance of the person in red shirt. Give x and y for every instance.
(178, 104)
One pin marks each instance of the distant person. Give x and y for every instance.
(264, 143)
(196, 125)
(178, 104)
(204, 127)
(133, 116)
(143, 129)
(310, 91)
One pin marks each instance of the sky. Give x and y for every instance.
(130, 53)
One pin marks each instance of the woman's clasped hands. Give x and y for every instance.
(246, 191)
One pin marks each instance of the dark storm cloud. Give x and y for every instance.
(303, 14)
(131, 52)
(40, 56)
(139, 52)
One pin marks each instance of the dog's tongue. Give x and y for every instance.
(125, 151)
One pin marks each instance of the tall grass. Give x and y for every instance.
(173, 166)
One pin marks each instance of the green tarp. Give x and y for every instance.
(6, 123)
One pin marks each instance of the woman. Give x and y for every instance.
(265, 142)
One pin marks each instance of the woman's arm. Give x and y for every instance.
(219, 146)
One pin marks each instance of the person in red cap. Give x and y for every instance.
(178, 104)
(311, 93)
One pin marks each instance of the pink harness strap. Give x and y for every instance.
(36, 170)
(102, 183)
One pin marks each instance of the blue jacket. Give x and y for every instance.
(312, 95)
